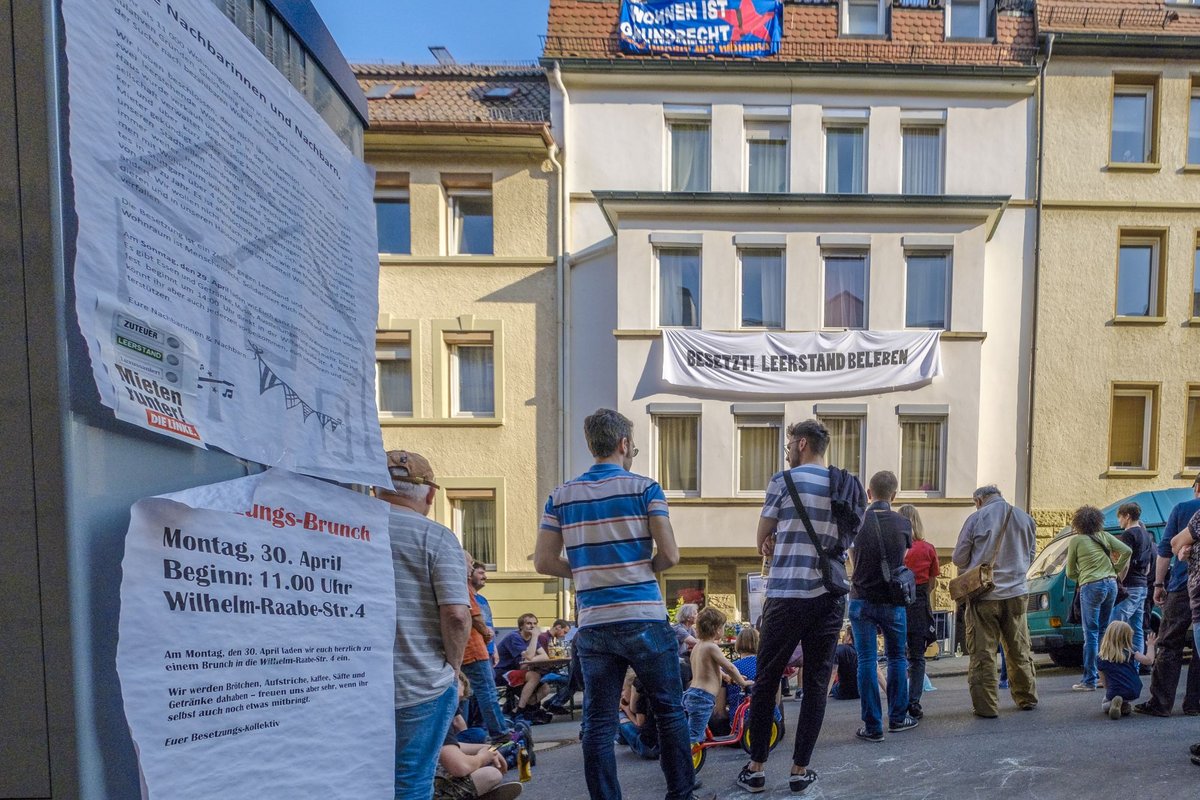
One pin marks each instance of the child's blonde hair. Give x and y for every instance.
(747, 641)
(710, 622)
(1117, 642)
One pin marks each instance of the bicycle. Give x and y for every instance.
(738, 734)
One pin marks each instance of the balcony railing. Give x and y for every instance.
(1102, 17)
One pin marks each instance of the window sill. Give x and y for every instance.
(962, 336)
(920, 496)
(1193, 322)
(394, 260)
(1190, 473)
(1113, 472)
(1191, 168)
(693, 500)
(1133, 166)
(864, 36)
(441, 422)
(969, 39)
(1139, 321)
(938, 502)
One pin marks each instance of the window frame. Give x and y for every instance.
(940, 125)
(782, 253)
(1192, 392)
(1193, 98)
(865, 254)
(861, 419)
(387, 343)
(657, 294)
(1194, 317)
(757, 129)
(943, 421)
(982, 31)
(881, 18)
(948, 301)
(863, 127)
(1150, 392)
(452, 350)
(454, 218)
(393, 195)
(656, 451)
(699, 115)
(458, 495)
(444, 332)
(443, 510)
(1149, 86)
(741, 421)
(1157, 240)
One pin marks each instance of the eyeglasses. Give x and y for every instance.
(787, 447)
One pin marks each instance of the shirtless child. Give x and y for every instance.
(708, 662)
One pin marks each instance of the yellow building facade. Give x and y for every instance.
(466, 200)
(1117, 375)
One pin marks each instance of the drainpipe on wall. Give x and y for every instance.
(1037, 270)
(562, 287)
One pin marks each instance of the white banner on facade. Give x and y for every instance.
(827, 364)
(255, 641)
(226, 274)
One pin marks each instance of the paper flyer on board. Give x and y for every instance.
(226, 273)
(257, 623)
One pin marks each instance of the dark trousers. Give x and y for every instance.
(919, 616)
(1172, 636)
(786, 622)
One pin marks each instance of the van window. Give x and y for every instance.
(1051, 560)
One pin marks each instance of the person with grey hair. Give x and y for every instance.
(685, 627)
(431, 587)
(1005, 537)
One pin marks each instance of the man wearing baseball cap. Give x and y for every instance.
(433, 620)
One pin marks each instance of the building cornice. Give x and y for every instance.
(442, 135)
(1122, 45)
(757, 67)
(496, 262)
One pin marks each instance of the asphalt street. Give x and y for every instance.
(1064, 749)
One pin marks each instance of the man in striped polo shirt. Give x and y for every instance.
(799, 608)
(617, 533)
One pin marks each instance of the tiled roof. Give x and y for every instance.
(588, 29)
(1118, 16)
(454, 93)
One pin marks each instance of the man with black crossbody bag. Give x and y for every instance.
(809, 519)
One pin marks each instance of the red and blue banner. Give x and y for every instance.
(740, 28)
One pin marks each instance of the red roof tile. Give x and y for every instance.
(454, 93)
(1117, 16)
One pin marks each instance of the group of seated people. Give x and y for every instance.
(535, 662)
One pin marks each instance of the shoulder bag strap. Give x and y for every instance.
(808, 526)
(1000, 535)
(884, 563)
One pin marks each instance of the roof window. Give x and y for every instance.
(499, 93)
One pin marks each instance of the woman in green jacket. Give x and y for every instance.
(1095, 561)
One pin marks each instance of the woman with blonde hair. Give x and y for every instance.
(922, 559)
(1118, 663)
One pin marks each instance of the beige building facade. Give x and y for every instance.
(466, 200)
(1117, 376)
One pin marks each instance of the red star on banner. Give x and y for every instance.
(746, 21)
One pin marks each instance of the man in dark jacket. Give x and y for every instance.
(1133, 608)
(883, 538)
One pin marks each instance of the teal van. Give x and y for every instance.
(1050, 592)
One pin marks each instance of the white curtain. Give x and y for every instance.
(844, 161)
(679, 288)
(768, 165)
(678, 451)
(845, 443)
(478, 528)
(923, 160)
(925, 303)
(760, 456)
(845, 291)
(476, 375)
(921, 456)
(690, 156)
(394, 384)
(762, 288)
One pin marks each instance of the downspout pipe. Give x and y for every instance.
(1037, 269)
(563, 287)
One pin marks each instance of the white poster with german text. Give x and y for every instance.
(255, 641)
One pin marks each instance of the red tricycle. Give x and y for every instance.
(738, 733)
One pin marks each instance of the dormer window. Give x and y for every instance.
(864, 17)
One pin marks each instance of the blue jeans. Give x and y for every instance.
(699, 706)
(865, 618)
(1133, 610)
(631, 736)
(420, 731)
(483, 686)
(1096, 601)
(605, 653)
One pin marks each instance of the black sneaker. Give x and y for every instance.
(915, 711)
(867, 736)
(800, 783)
(753, 782)
(1150, 710)
(906, 724)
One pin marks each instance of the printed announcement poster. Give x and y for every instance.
(226, 273)
(255, 641)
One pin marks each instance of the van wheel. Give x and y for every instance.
(1069, 657)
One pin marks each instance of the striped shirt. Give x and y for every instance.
(795, 570)
(604, 518)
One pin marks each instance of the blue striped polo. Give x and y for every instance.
(604, 518)
(795, 571)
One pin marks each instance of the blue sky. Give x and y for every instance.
(402, 30)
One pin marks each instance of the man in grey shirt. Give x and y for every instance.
(433, 620)
(999, 615)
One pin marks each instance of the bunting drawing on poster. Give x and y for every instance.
(738, 28)
(226, 239)
(800, 364)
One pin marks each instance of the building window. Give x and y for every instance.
(846, 291)
(678, 453)
(922, 454)
(846, 442)
(762, 288)
(1133, 134)
(691, 155)
(392, 223)
(393, 374)
(1139, 282)
(1131, 443)
(863, 17)
(760, 447)
(472, 374)
(767, 156)
(472, 219)
(473, 518)
(677, 591)
(679, 287)
(927, 291)
(845, 159)
(1191, 431)
(1196, 282)
(966, 19)
(922, 159)
(1193, 145)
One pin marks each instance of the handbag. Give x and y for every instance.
(900, 582)
(1122, 592)
(977, 581)
(832, 568)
